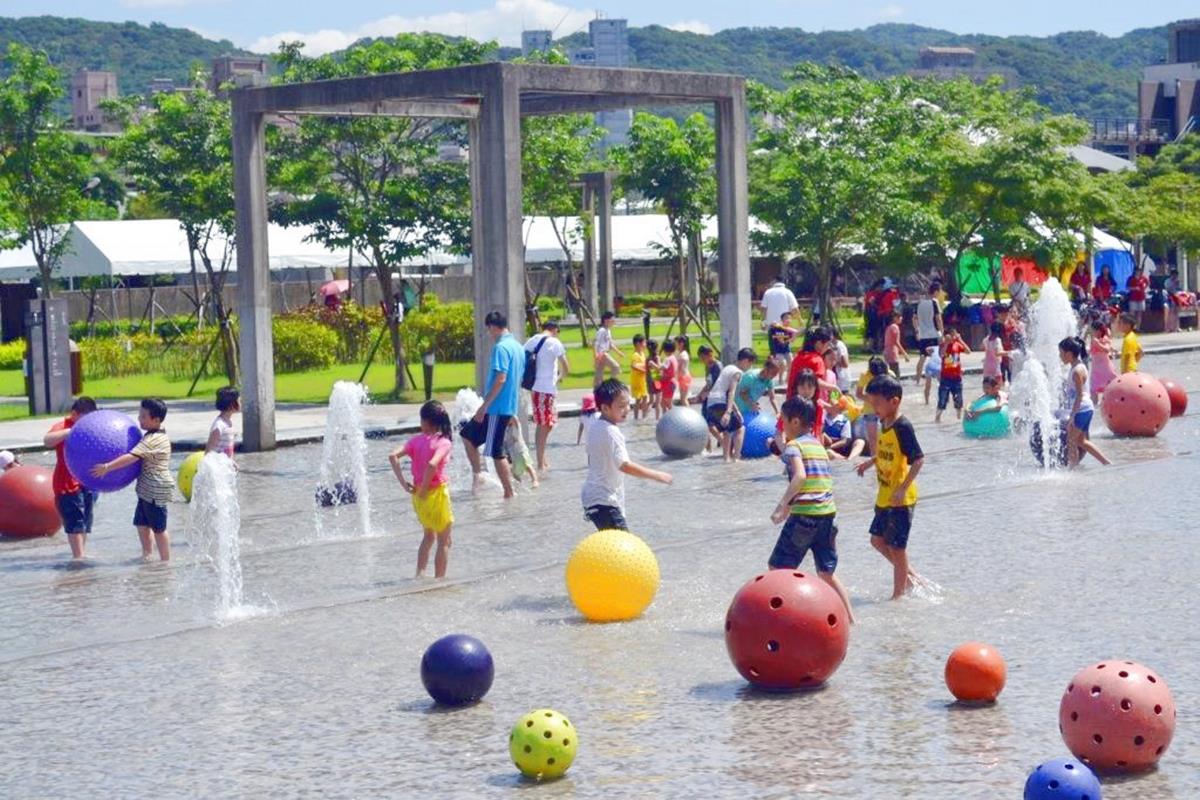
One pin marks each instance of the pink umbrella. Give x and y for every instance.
(334, 287)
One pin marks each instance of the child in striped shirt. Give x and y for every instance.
(807, 509)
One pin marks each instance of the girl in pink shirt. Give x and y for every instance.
(993, 351)
(430, 453)
(892, 348)
(668, 376)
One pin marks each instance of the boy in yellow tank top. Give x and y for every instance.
(898, 459)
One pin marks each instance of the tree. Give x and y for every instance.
(178, 151)
(43, 174)
(672, 166)
(376, 184)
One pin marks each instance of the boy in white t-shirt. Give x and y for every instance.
(603, 492)
(603, 347)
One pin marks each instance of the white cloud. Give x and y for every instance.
(169, 3)
(503, 22)
(692, 26)
(891, 12)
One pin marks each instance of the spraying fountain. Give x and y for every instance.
(214, 529)
(344, 460)
(1038, 374)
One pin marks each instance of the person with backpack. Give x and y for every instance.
(545, 367)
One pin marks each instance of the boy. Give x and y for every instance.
(603, 492)
(893, 348)
(722, 411)
(807, 503)
(951, 378)
(898, 459)
(780, 335)
(712, 370)
(639, 389)
(602, 348)
(154, 482)
(756, 384)
(74, 502)
(1131, 348)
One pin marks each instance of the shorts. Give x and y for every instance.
(149, 514)
(1083, 420)
(668, 389)
(946, 388)
(638, 390)
(713, 414)
(1137, 305)
(925, 344)
(545, 410)
(1006, 369)
(802, 533)
(488, 434)
(76, 510)
(892, 524)
(433, 510)
(606, 518)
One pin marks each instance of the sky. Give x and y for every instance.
(259, 25)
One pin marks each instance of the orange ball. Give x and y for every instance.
(975, 673)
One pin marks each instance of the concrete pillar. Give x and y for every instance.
(590, 287)
(733, 221)
(497, 254)
(606, 277)
(254, 282)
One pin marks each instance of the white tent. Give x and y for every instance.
(18, 264)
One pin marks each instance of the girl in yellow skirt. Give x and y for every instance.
(430, 453)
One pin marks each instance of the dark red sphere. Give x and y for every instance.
(27, 506)
(1177, 395)
(786, 630)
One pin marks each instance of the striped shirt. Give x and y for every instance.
(815, 498)
(154, 482)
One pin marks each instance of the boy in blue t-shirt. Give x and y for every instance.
(501, 396)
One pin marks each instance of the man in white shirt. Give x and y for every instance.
(928, 322)
(1019, 291)
(775, 301)
(550, 358)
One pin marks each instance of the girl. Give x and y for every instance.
(653, 368)
(876, 366)
(587, 415)
(221, 435)
(1077, 409)
(670, 373)
(993, 351)
(430, 453)
(684, 359)
(518, 453)
(1100, 346)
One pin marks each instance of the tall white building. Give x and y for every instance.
(535, 42)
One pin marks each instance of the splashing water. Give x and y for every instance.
(1039, 375)
(215, 529)
(466, 403)
(344, 460)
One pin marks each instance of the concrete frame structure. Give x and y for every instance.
(599, 279)
(491, 98)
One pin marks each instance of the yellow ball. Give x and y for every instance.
(612, 575)
(543, 744)
(187, 474)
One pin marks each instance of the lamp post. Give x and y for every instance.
(427, 360)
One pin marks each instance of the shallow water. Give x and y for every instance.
(116, 682)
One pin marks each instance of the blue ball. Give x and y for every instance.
(1062, 779)
(99, 437)
(993, 425)
(759, 430)
(457, 669)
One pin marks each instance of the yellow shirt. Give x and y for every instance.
(1131, 351)
(637, 377)
(896, 449)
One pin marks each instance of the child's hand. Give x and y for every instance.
(862, 468)
(100, 470)
(665, 477)
(779, 515)
(897, 498)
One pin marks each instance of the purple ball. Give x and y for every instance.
(100, 437)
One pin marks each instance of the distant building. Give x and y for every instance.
(535, 42)
(946, 58)
(237, 69)
(89, 88)
(159, 86)
(608, 46)
(947, 63)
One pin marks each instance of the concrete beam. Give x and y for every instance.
(647, 83)
(254, 281)
(733, 225)
(541, 105)
(424, 109)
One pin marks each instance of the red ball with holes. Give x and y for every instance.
(786, 630)
(1177, 395)
(1117, 716)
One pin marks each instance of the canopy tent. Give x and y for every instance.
(18, 264)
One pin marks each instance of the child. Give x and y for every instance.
(807, 503)
(518, 453)
(898, 459)
(221, 435)
(74, 502)
(876, 367)
(993, 351)
(779, 337)
(722, 411)
(653, 376)
(1012, 339)
(430, 453)
(684, 358)
(154, 482)
(893, 349)
(1131, 348)
(587, 414)
(8, 460)
(639, 377)
(933, 368)
(712, 371)
(1077, 408)
(603, 492)
(1102, 368)
(846, 439)
(603, 349)
(991, 388)
(670, 375)
(950, 380)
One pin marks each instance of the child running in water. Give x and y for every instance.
(1100, 347)
(807, 503)
(933, 368)
(669, 380)
(684, 358)
(950, 381)
(430, 453)
(1077, 408)
(518, 453)
(898, 459)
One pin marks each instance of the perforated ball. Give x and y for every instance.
(543, 744)
(760, 428)
(1117, 716)
(612, 575)
(1177, 395)
(681, 432)
(1135, 404)
(1062, 779)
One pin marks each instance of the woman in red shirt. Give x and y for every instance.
(1136, 288)
(1105, 285)
(812, 357)
(1081, 282)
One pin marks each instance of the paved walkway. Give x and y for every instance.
(189, 420)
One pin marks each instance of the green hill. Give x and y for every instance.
(1079, 72)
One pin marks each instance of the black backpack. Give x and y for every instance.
(530, 375)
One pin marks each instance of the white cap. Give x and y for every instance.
(6, 458)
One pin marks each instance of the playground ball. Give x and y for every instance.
(27, 506)
(1135, 404)
(681, 432)
(993, 425)
(1117, 716)
(99, 437)
(457, 669)
(1062, 779)
(786, 630)
(1177, 395)
(187, 474)
(611, 576)
(975, 673)
(760, 429)
(543, 744)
